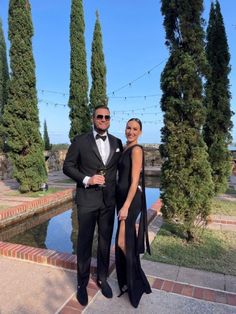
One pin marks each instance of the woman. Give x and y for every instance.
(131, 202)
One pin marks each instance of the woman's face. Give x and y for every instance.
(132, 131)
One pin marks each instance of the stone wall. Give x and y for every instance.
(234, 162)
(54, 160)
(5, 167)
(152, 155)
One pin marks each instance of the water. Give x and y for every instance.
(57, 229)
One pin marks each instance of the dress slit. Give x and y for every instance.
(122, 236)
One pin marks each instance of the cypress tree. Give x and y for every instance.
(20, 116)
(78, 99)
(4, 78)
(186, 182)
(98, 69)
(218, 123)
(47, 145)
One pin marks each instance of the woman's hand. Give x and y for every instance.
(123, 213)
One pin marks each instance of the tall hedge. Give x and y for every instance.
(46, 140)
(20, 118)
(186, 183)
(218, 123)
(98, 94)
(78, 99)
(4, 78)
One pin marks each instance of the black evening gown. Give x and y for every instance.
(130, 275)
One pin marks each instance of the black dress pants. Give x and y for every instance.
(104, 217)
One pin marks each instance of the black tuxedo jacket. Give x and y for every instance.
(83, 159)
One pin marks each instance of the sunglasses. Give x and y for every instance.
(100, 117)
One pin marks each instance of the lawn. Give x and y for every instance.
(214, 251)
(223, 207)
(34, 194)
(2, 207)
(66, 181)
(231, 191)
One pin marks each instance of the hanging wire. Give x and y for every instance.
(116, 90)
(136, 79)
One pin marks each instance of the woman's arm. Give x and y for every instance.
(136, 161)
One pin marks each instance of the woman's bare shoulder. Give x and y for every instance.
(137, 150)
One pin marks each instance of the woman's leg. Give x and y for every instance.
(121, 237)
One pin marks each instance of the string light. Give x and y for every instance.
(114, 112)
(48, 102)
(137, 96)
(116, 90)
(143, 121)
(111, 97)
(52, 92)
(124, 113)
(136, 79)
(134, 109)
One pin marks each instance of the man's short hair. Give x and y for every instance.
(100, 107)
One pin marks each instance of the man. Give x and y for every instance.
(95, 197)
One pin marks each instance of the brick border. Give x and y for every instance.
(26, 209)
(187, 290)
(73, 306)
(221, 221)
(196, 292)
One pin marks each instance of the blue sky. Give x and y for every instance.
(135, 54)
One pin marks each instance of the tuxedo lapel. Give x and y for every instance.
(113, 147)
(94, 146)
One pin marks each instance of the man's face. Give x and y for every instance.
(101, 120)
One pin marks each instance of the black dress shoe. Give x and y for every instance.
(82, 295)
(105, 289)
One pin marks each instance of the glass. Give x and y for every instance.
(102, 172)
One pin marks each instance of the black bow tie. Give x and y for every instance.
(103, 137)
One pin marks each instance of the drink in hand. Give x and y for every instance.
(102, 172)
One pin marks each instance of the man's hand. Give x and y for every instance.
(96, 179)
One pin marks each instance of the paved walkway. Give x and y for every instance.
(31, 288)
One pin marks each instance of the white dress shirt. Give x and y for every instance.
(103, 146)
(104, 151)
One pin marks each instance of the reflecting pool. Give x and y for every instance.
(57, 229)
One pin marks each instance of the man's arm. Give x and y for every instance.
(70, 166)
